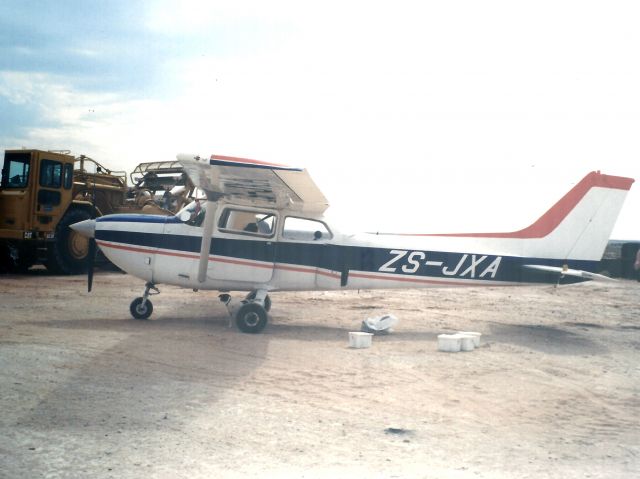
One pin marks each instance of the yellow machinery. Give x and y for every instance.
(43, 192)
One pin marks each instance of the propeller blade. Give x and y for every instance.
(92, 241)
(90, 260)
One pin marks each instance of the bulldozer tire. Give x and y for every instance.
(68, 253)
(16, 259)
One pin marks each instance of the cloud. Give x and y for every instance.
(415, 103)
(93, 45)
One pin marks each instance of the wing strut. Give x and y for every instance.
(205, 246)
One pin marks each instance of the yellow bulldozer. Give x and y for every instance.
(43, 192)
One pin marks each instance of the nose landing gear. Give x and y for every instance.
(141, 308)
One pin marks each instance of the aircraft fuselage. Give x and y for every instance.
(162, 249)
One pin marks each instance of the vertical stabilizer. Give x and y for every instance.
(577, 227)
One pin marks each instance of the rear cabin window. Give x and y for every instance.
(245, 222)
(50, 174)
(15, 171)
(303, 229)
(68, 176)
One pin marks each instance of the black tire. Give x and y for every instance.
(251, 318)
(138, 311)
(69, 253)
(17, 259)
(267, 300)
(6, 261)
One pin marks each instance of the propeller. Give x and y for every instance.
(91, 259)
(91, 256)
(87, 229)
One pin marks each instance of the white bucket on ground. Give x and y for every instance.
(466, 342)
(449, 343)
(359, 339)
(476, 336)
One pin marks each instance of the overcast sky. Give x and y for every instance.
(415, 116)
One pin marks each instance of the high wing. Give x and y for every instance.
(254, 183)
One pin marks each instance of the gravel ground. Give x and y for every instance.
(86, 391)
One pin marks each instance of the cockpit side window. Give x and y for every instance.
(304, 229)
(253, 223)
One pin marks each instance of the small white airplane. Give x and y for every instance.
(262, 229)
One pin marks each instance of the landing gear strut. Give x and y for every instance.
(266, 302)
(250, 313)
(141, 308)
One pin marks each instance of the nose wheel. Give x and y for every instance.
(141, 308)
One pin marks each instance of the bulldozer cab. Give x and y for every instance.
(35, 191)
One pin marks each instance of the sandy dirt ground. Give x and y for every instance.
(86, 391)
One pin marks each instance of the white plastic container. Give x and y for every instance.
(449, 343)
(466, 342)
(360, 340)
(476, 336)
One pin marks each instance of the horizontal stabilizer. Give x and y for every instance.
(578, 273)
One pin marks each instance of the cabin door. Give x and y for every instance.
(243, 245)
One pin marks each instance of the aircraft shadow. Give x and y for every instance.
(136, 376)
(546, 339)
(221, 325)
(210, 323)
(39, 270)
(309, 332)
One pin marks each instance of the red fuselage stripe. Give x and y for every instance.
(183, 255)
(297, 269)
(406, 280)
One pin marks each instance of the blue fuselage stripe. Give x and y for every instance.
(134, 218)
(339, 258)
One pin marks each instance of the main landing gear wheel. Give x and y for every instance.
(251, 318)
(267, 300)
(141, 309)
